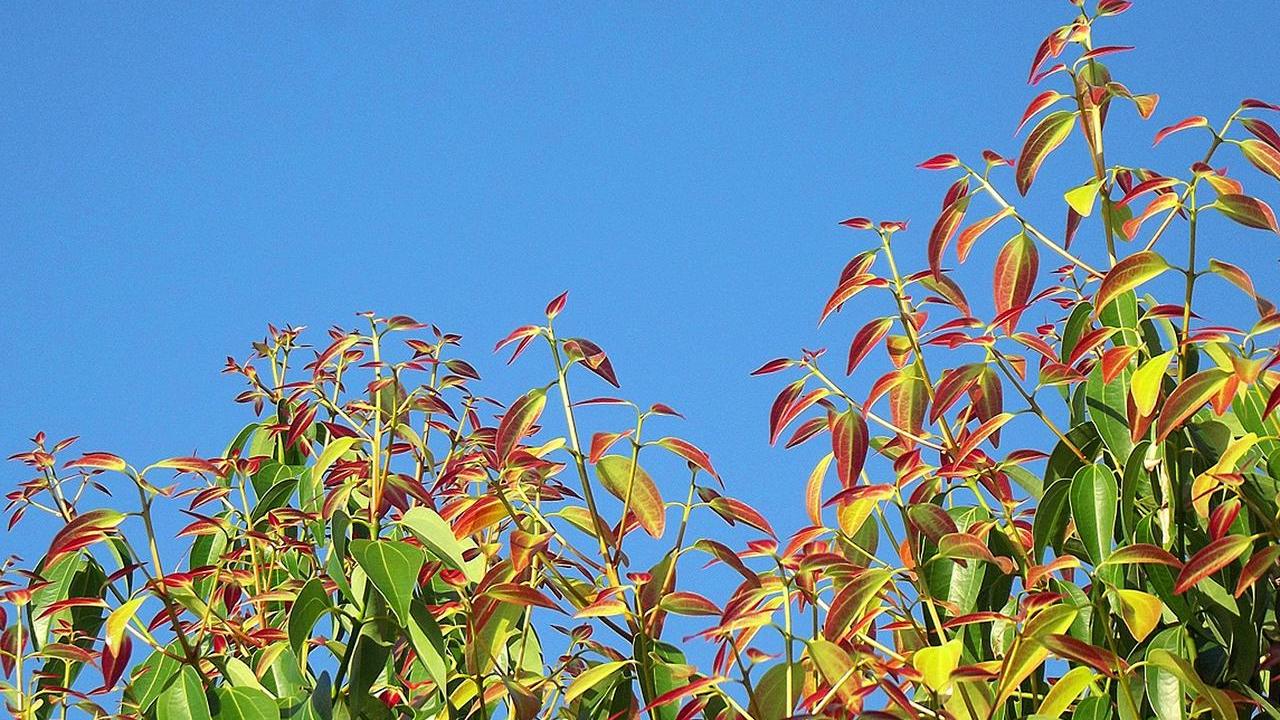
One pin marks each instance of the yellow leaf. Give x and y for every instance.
(591, 677)
(936, 663)
(1081, 198)
(1140, 611)
(1065, 691)
(1207, 482)
(1027, 653)
(1145, 383)
(118, 619)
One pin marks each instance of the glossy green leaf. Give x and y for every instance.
(393, 568)
(1094, 494)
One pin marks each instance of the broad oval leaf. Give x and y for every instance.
(632, 485)
(1014, 277)
(392, 567)
(1094, 497)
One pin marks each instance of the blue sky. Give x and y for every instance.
(177, 176)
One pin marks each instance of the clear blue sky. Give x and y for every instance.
(175, 176)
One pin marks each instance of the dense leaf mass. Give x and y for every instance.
(1077, 518)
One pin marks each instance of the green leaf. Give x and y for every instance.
(435, 534)
(184, 700)
(393, 568)
(1051, 518)
(153, 676)
(1106, 402)
(1163, 687)
(1094, 494)
(311, 603)
(428, 645)
(771, 692)
(245, 703)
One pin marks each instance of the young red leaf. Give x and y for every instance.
(1260, 564)
(849, 440)
(970, 235)
(1070, 648)
(951, 386)
(689, 452)
(865, 340)
(688, 603)
(1014, 277)
(1047, 136)
(601, 442)
(772, 366)
(1211, 558)
(944, 228)
(1187, 398)
(1263, 156)
(1115, 360)
(518, 420)
(1142, 554)
(1263, 131)
(1128, 274)
(1040, 102)
(97, 461)
(945, 161)
(556, 305)
(521, 595)
(1192, 122)
(1248, 211)
(847, 288)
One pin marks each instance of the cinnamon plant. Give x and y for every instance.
(1060, 500)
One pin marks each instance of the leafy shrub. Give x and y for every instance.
(1079, 517)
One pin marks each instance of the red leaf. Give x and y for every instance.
(521, 595)
(772, 366)
(953, 384)
(1015, 276)
(865, 340)
(1192, 122)
(98, 461)
(689, 452)
(1040, 102)
(1115, 360)
(518, 420)
(1126, 275)
(601, 442)
(1258, 565)
(849, 441)
(556, 305)
(1211, 558)
(944, 161)
(1248, 211)
(1187, 398)
(971, 234)
(857, 223)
